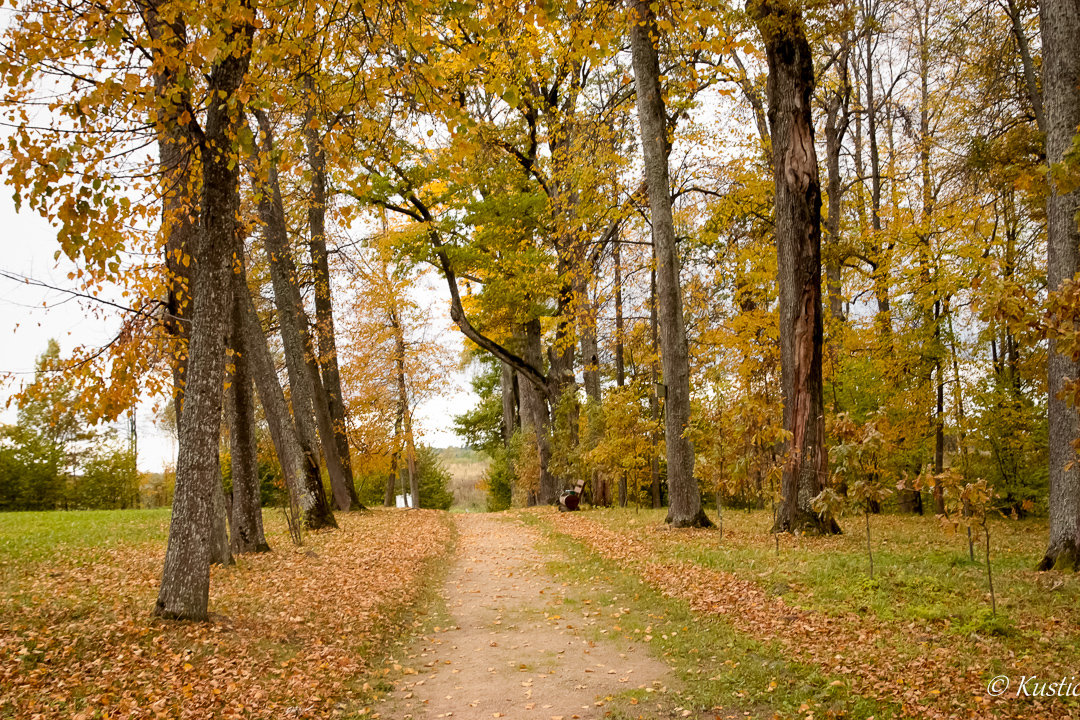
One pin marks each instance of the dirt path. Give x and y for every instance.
(513, 649)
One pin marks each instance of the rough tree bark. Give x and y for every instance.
(245, 521)
(324, 308)
(299, 463)
(798, 238)
(534, 412)
(185, 581)
(1060, 22)
(305, 384)
(683, 493)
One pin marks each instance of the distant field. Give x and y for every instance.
(467, 467)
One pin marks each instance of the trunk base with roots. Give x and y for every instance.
(700, 520)
(1061, 558)
(807, 523)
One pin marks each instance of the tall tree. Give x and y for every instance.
(324, 309)
(245, 520)
(798, 243)
(310, 406)
(1060, 23)
(185, 582)
(683, 493)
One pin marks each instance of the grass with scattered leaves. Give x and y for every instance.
(724, 672)
(920, 634)
(297, 632)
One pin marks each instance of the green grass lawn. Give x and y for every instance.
(927, 607)
(922, 567)
(28, 538)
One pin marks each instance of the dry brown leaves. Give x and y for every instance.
(927, 674)
(294, 632)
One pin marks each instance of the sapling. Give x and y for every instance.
(971, 502)
(855, 463)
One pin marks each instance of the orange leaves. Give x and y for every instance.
(293, 629)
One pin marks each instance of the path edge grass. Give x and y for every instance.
(711, 679)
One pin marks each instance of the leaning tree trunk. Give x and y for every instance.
(246, 521)
(185, 581)
(310, 407)
(798, 239)
(1060, 23)
(324, 309)
(683, 492)
(299, 462)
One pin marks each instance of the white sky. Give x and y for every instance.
(27, 246)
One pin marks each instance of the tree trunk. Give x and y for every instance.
(324, 309)
(835, 127)
(220, 548)
(1060, 22)
(245, 521)
(509, 388)
(620, 366)
(620, 330)
(590, 368)
(390, 492)
(1030, 79)
(654, 399)
(534, 412)
(299, 461)
(185, 582)
(683, 493)
(176, 145)
(305, 383)
(403, 407)
(878, 253)
(395, 457)
(798, 239)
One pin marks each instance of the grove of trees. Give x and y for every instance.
(694, 247)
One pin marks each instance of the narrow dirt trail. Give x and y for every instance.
(514, 650)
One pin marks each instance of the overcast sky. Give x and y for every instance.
(30, 315)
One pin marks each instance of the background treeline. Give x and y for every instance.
(51, 459)
(926, 119)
